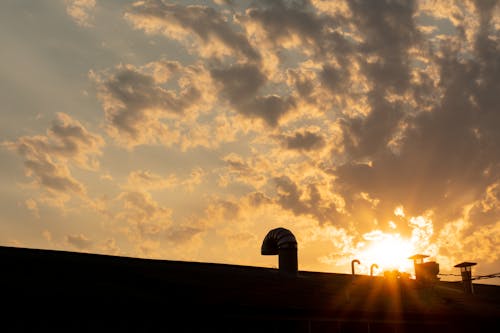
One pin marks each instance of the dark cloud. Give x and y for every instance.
(181, 234)
(136, 100)
(281, 20)
(240, 84)
(388, 30)
(289, 22)
(305, 141)
(369, 135)
(237, 164)
(268, 108)
(257, 199)
(132, 95)
(79, 241)
(304, 85)
(308, 201)
(449, 154)
(203, 21)
(47, 158)
(336, 80)
(52, 176)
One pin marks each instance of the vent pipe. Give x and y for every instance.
(355, 261)
(282, 242)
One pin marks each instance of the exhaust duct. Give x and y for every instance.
(282, 242)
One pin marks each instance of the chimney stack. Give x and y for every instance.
(425, 272)
(466, 272)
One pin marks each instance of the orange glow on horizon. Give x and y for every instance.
(389, 252)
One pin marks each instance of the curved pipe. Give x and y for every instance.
(372, 267)
(281, 242)
(276, 239)
(352, 265)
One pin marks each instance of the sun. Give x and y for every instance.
(388, 252)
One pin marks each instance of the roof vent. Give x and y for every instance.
(466, 272)
(282, 242)
(425, 272)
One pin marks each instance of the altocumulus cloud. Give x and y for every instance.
(325, 115)
(47, 157)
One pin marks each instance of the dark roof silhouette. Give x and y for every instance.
(46, 290)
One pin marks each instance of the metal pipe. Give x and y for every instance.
(371, 268)
(352, 265)
(282, 242)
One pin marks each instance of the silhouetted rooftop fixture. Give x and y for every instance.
(418, 258)
(425, 272)
(372, 267)
(352, 265)
(282, 242)
(466, 272)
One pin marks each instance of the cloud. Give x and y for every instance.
(243, 94)
(213, 32)
(81, 11)
(150, 229)
(32, 206)
(67, 139)
(236, 89)
(447, 152)
(79, 241)
(140, 210)
(144, 180)
(287, 24)
(138, 106)
(183, 233)
(304, 141)
(341, 120)
(252, 171)
(147, 220)
(305, 200)
(47, 157)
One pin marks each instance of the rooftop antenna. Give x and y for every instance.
(466, 272)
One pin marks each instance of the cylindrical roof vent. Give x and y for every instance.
(282, 242)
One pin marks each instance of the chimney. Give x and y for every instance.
(425, 272)
(466, 272)
(281, 242)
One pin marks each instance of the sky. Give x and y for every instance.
(187, 130)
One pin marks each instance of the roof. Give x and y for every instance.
(66, 285)
(465, 264)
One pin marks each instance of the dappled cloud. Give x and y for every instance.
(352, 123)
(47, 158)
(81, 11)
